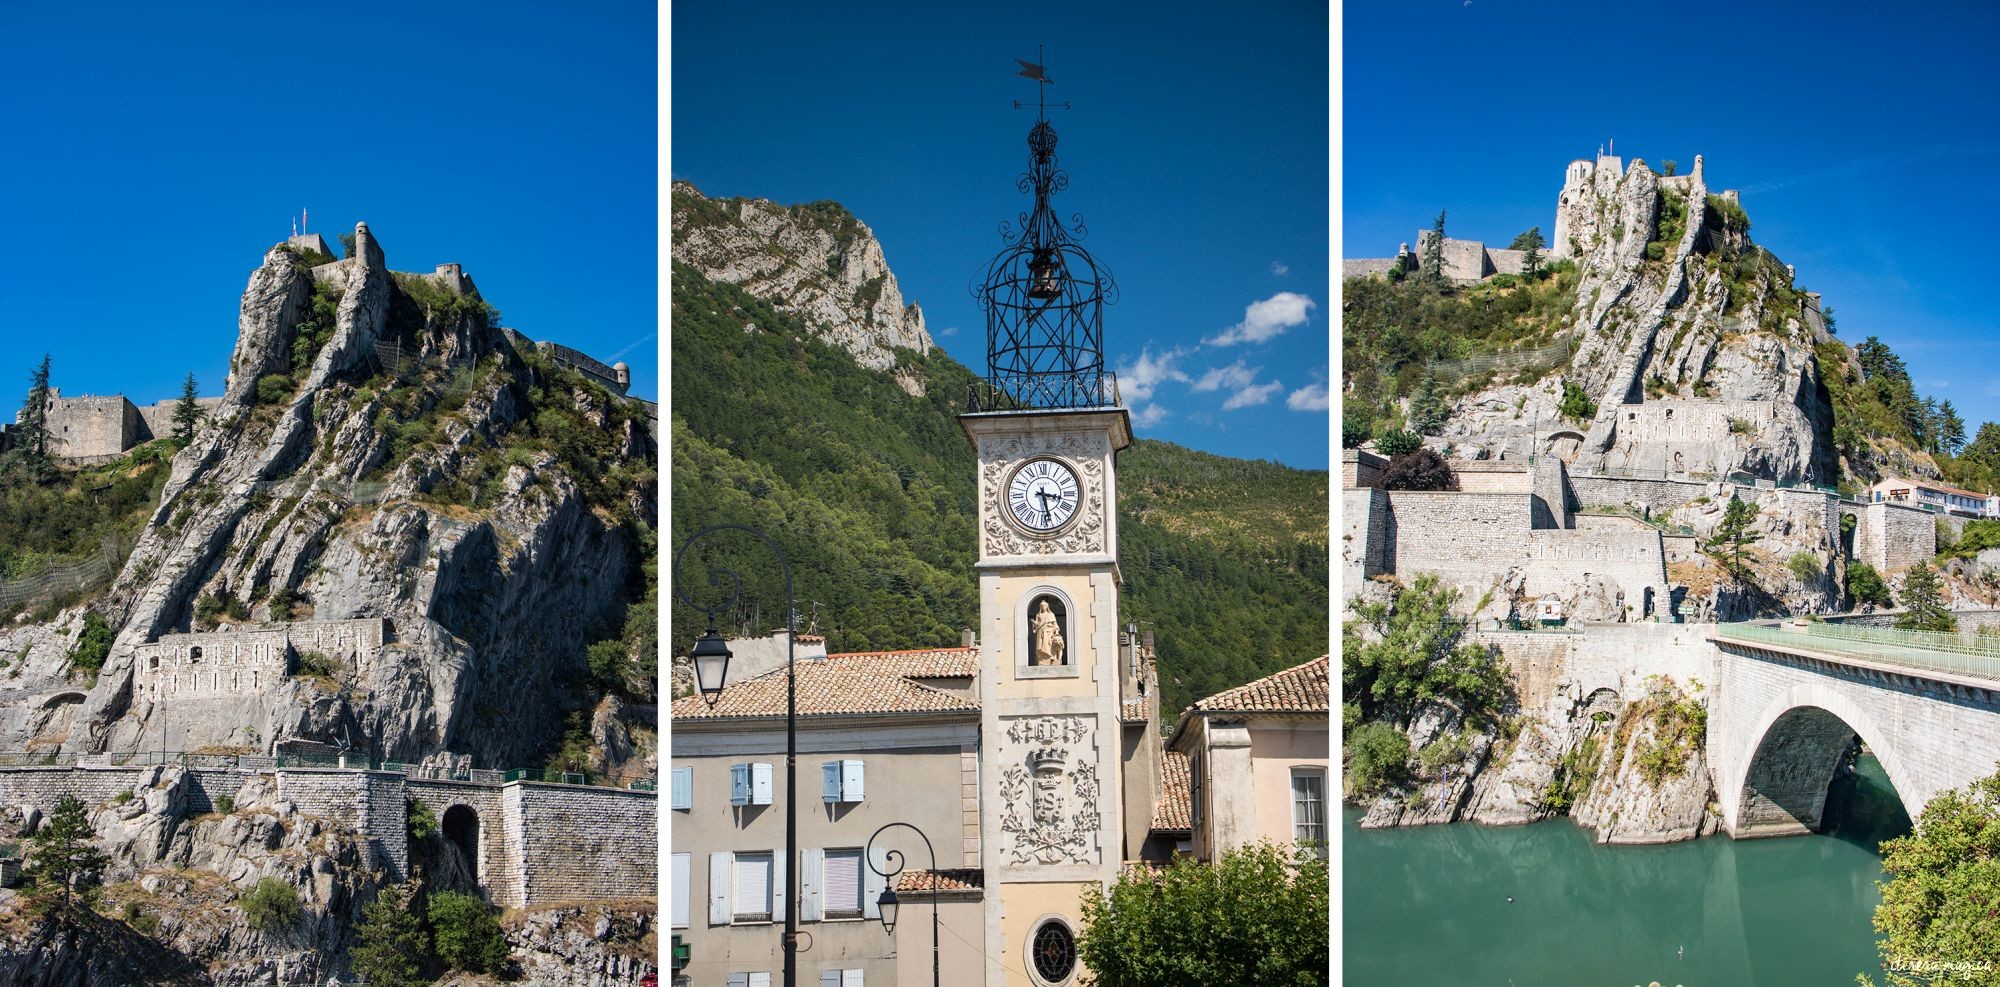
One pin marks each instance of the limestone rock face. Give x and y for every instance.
(814, 261)
(1624, 807)
(415, 473)
(1690, 339)
(586, 946)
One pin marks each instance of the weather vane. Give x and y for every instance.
(1039, 72)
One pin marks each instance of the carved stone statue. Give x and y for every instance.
(1048, 637)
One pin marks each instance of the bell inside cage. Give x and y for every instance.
(1044, 276)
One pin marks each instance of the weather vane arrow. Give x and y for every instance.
(1039, 72)
(1033, 71)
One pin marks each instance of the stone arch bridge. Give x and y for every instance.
(1790, 698)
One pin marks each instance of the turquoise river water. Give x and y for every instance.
(1428, 905)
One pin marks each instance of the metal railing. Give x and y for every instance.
(1028, 392)
(1962, 654)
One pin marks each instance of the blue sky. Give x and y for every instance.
(1196, 149)
(154, 151)
(1864, 139)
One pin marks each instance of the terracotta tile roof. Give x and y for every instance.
(1133, 710)
(944, 879)
(921, 663)
(1174, 812)
(1299, 689)
(825, 688)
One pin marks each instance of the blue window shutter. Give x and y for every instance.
(872, 881)
(829, 781)
(739, 784)
(781, 888)
(829, 978)
(683, 788)
(850, 781)
(812, 867)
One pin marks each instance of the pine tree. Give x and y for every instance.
(1431, 263)
(1732, 534)
(186, 412)
(392, 947)
(1428, 412)
(1532, 242)
(31, 435)
(1951, 429)
(64, 863)
(1923, 602)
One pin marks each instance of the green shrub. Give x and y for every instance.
(122, 797)
(423, 824)
(270, 906)
(313, 664)
(281, 605)
(273, 388)
(1399, 442)
(1378, 757)
(208, 611)
(1576, 405)
(1445, 750)
(391, 946)
(1865, 585)
(225, 804)
(143, 922)
(465, 932)
(1805, 567)
(93, 645)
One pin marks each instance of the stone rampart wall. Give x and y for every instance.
(1468, 538)
(1891, 536)
(1360, 468)
(1366, 539)
(590, 843)
(246, 661)
(1659, 495)
(1682, 435)
(1554, 671)
(1557, 562)
(374, 803)
(158, 417)
(1493, 478)
(90, 427)
(1364, 267)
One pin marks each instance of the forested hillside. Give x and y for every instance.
(865, 479)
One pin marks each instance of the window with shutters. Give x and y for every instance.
(750, 893)
(750, 784)
(760, 784)
(1309, 808)
(750, 979)
(843, 884)
(739, 784)
(840, 978)
(683, 863)
(683, 788)
(840, 781)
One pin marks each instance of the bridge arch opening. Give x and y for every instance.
(1796, 761)
(460, 826)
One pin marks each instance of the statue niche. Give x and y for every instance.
(1045, 632)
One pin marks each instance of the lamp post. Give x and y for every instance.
(711, 656)
(889, 903)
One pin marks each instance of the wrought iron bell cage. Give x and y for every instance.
(1044, 298)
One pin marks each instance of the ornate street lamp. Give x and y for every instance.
(711, 652)
(711, 664)
(889, 903)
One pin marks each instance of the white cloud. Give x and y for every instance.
(1148, 415)
(1265, 319)
(1136, 381)
(1280, 268)
(1236, 376)
(1252, 396)
(1312, 397)
(949, 331)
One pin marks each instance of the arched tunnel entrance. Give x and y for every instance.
(460, 826)
(1796, 763)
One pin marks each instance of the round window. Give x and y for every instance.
(1054, 952)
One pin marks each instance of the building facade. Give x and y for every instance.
(1257, 763)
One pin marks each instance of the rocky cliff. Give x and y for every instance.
(1692, 343)
(813, 261)
(383, 450)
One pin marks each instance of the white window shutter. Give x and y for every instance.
(721, 865)
(760, 784)
(812, 863)
(829, 781)
(739, 980)
(850, 978)
(760, 979)
(829, 978)
(780, 890)
(872, 882)
(739, 784)
(683, 887)
(850, 781)
(683, 788)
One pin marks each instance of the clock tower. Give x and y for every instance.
(1047, 426)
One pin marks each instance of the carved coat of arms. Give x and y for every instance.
(1050, 795)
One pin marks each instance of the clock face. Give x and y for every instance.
(1043, 495)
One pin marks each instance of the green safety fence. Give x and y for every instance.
(1962, 654)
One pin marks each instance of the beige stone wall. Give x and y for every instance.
(91, 427)
(1277, 749)
(1024, 907)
